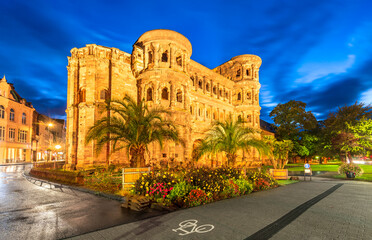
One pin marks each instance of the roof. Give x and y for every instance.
(267, 126)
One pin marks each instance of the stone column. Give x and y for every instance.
(211, 88)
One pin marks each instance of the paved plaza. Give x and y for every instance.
(320, 209)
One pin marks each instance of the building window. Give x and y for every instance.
(82, 95)
(191, 109)
(207, 87)
(11, 115)
(207, 113)
(248, 72)
(164, 56)
(249, 96)
(103, 95)
(221, 93)
(227, 95)
(199, 112)
(22, 136)
(249, 118)
(165, 94)
(179, 96)
(23, 118)
(2, 111)
(150, 57)
(239, 96)
(2, 133)
(200, 85)
(179, 61)
(238, 73)
(11, 134)
(214, 90)
(149, 94)
(164, 155)
(214, 116)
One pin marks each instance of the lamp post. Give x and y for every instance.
(56, 147)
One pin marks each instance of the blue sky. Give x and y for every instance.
(317, 51)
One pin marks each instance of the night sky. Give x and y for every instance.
(316, 51)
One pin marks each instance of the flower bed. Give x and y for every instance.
(193, 187)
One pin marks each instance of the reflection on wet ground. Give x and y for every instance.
(31, 211)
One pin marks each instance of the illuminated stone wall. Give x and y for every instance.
(160, 71)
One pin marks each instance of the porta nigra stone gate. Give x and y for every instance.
(160, 71)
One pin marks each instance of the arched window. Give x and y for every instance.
(249, 95)
(150, 57)
(11, 115)
(239, 96)
(103, 94)
(24, 118)
(199, 112)
(214, 90)
(165, 94)
(192, 79)
(248, 72)
(207, 87)
(208, 113)
(191, 109)
(226, 95)
(179, 61)
(82, 95)
(221, 93)
(238, 73)
(179, 96)
(200, 84)
(2, 111)
(164, 56)
(214, 116)
(149, 94)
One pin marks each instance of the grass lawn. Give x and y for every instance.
(314, 167)
(286, 182)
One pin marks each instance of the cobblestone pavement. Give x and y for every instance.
(320, 209)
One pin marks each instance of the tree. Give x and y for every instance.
(337, 137)
(132, 126)
(279, 151)
(362, 134)
(229, 137)
(291, 118)
(293, 122)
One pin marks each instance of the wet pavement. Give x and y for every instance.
(31, 211)
(321, 209)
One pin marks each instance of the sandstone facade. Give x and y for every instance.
(160, 71)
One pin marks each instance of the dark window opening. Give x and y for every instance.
(150, 57)
(200, 85)
(238, 73)
(179, 61)
(149, 94)
(165, 94)
(239, 96)
(164, 56)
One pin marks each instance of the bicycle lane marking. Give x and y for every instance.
(190, 226)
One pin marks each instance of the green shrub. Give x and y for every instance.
(261, 180)
(180, 190)
(244, 185)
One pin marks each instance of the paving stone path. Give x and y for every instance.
(320, 209)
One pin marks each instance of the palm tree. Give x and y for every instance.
(229, 137)
(132, 126)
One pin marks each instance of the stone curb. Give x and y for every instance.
(101, 194)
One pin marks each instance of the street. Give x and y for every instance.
(319, 209)
(31, 211)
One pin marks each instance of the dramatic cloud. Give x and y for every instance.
(312, 50)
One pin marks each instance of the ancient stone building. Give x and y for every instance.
(160, 71)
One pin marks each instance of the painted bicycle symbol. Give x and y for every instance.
(189, 226)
